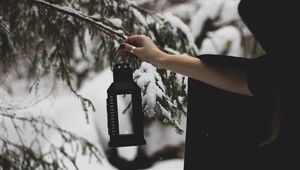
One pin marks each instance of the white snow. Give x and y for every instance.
(225, 10)
(67, 112)
(88, 52)
(178, 24)
(116, 22)
(229, 12)
(128, 153)
(139, 17)
(138, 2)
(159, 136)
(184, 11)
(146, 75)
(176, 164)
(208, 10)
(225, 38)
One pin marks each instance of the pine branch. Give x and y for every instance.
(62, 27)
(66, 10)
(61, 154)
(109, 30)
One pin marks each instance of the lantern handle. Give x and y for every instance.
(114, 56)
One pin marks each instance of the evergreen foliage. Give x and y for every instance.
(27, 152)
(44, 33)
(40, 37)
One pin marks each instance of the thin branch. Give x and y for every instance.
(103, 27)
(17, 129)
(69, 11)
(33, 102)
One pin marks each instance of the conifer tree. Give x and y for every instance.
(44, 32)
(39, 37)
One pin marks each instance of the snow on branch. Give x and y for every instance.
(63, 29)
(69, 11)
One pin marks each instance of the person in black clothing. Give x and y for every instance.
(251, 123)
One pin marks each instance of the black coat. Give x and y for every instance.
(224, 129)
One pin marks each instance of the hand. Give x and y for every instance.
(145, 49)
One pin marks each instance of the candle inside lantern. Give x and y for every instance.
(125, 114)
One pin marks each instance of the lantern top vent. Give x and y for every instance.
(122, 72)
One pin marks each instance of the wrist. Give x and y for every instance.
(163, 60)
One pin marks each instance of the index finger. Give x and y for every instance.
(135, 40)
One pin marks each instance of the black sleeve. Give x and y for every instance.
(223, 60)
(261, 76)
(260, 70)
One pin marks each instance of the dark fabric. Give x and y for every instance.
(261, 76)
(274, 25)
(224, 129)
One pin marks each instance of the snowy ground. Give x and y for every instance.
(66, 110)
(176, 164)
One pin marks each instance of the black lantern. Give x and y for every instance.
(124, 88)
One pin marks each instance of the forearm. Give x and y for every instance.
(229, 79)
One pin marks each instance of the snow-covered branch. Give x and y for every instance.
(77, 14)
(80, 38)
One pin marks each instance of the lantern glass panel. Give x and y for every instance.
(125, 113)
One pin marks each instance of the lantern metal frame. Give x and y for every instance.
(123, 84)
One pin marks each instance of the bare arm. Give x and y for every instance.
(229, 79)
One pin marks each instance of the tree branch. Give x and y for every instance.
(69, 11)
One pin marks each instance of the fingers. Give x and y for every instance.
(130, 48)
(136, 40)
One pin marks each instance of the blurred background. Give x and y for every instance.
(55, 62)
